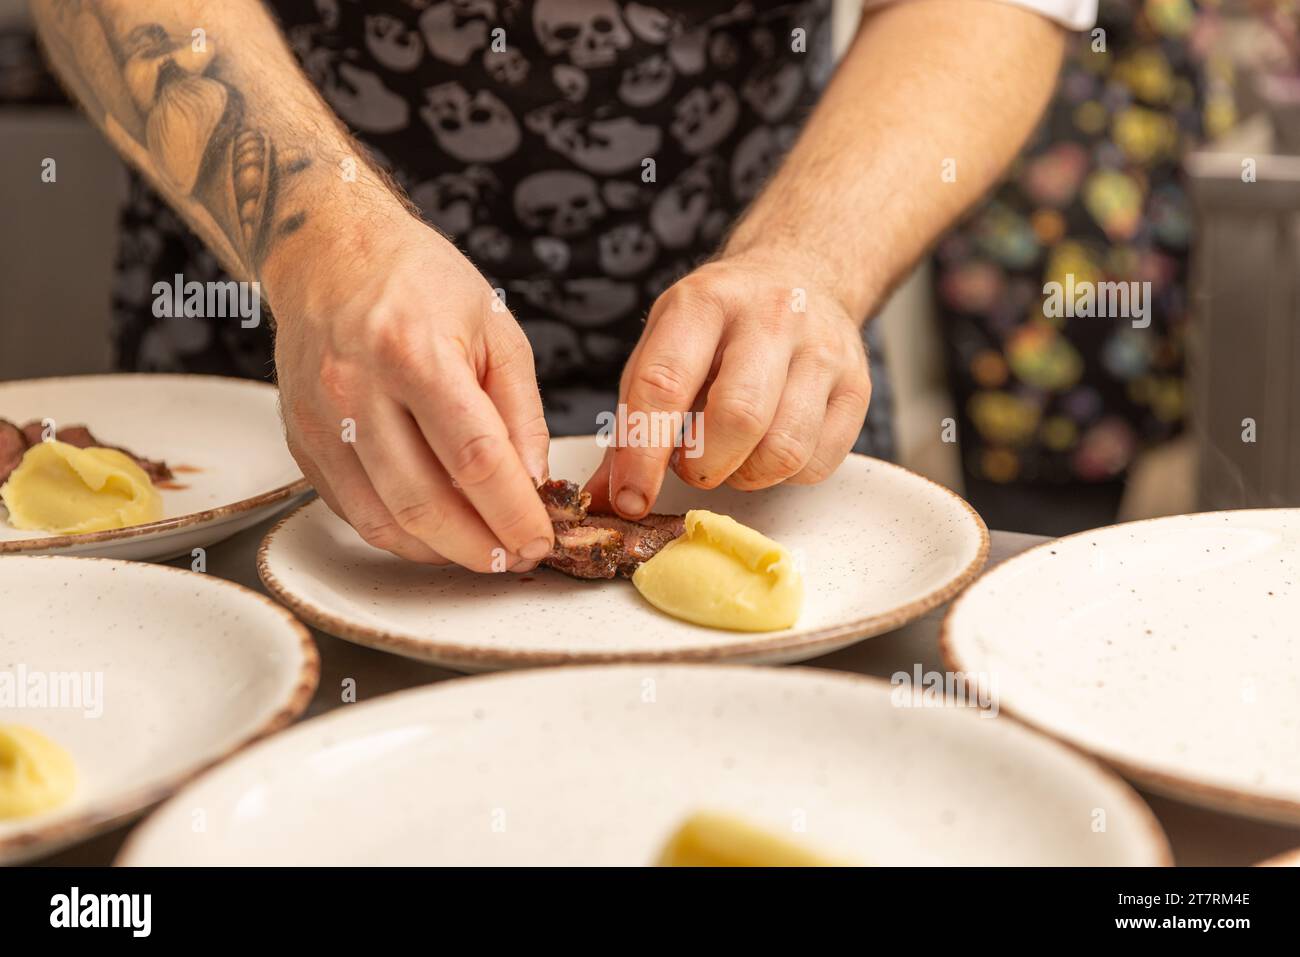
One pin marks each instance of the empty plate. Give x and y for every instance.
(221, 437)
(1167, 647)
(879, 546)
(598, 765)
(144, 673)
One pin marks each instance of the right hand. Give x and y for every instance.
(397, 332)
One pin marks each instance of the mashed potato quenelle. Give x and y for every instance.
(60, 488)
(35, 773)
(724, 575)
(712, 839)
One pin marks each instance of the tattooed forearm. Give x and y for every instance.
(192, 113)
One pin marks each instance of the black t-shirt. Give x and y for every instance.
(584, 154)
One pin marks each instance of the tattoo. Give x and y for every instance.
(169, 103)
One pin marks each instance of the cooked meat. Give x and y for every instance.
(33, 432)
(641, 541)
(12, 446)
(75, 435)
(586, 551)
(601, 546)
(564, 501)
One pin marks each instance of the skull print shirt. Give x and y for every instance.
(585, 154)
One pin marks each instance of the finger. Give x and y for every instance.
(664, 375)
(466, 433)
(845, 412)
(351, 497)
(791, 440)
(741, 404)
(511, 384)
(598, 485)
(419, 493)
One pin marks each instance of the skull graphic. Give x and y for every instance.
(704, 117)
(626, 250)
(555, 347)
(590, 32)
(561, 202)
(471, 127)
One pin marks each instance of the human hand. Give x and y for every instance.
(775, 362)
(409, 396)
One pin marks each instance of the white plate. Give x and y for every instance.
(1285, 859)
(227, 429)
(1167, 647)
(597, 765)
(192, 668)
(880, 546)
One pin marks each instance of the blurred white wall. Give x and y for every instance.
(56, 246)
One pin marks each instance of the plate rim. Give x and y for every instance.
(280, 493)
(1144, 817)
(1179, 786)
(479, 655)
(1289, 858)
(50, 838)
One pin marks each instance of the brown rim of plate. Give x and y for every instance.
(1178, 786)
(451, 654)
(19, 546)
(1289, 858)
(1143, 814)
(50, 838)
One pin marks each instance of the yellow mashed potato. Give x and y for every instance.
(35, 773)
(724, 575)
(711, 839)
(60, 488)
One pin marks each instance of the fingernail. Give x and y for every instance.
(630, 502)
(523, 566)
(537, 549)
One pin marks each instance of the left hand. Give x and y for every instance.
(775, 361)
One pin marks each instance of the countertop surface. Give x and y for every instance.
(1199, 837)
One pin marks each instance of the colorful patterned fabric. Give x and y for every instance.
(1098, 196)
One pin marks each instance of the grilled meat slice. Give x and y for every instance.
(564, 501)
(75, 435)
(641, 541)
(585, 551)
(82, 438)
(13, 445)
(600, 546)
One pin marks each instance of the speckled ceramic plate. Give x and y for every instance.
(879, 546)
(597, 765)
(1168, 647)
(221, 436)
(1287, 859)
(152, 673)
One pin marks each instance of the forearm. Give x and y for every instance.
(931, 102)
(206, 100)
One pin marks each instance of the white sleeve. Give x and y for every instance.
(1072, 14)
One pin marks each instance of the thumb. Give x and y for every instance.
(598, 486)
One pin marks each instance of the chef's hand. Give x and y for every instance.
(410, 399)
(775, 362)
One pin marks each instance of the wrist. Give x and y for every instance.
(849, 283)
(308, 269)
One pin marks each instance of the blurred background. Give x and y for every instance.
(1170, 154)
